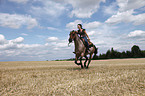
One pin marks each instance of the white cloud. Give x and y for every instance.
(120, 17)
(89, 25)
(126, 17)
(91, 33)
(16, 21)
(111, 9)
(138, 19)
(73, 25)
(136, 33)
(84, 9)
(127, 13)
(55, 8)
(24, 34)
(14, 43)
(48, 8)
(2, 39)
(17, 40)
(52, 28)
(52, 39)
(56, 42)
(92, 25)
(19, 1)
(125, 5)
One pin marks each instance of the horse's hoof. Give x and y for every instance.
(87, 67)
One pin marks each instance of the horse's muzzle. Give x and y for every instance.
(70, 40)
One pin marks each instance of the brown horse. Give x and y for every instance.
(80, 49)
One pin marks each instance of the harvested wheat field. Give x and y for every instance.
(124, 77)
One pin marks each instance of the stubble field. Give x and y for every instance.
(124, 77)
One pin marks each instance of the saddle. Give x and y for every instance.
(89, 42)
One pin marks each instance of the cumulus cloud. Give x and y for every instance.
(14, 43)
(120, 17)
(10, 44)
(17, 40)
(48, 8)
(127, 17)
(125, 5)
(92, 25)
(56, 42)
(16, 21)
(111, 9)
(84, 9)
(91, 33)
(52, 39)
(136, 33)
(15, 50)
(127, 13)
(86, 25)
(2, 39)
(73, 25)
(78, 8)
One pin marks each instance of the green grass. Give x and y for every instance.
(123, 77)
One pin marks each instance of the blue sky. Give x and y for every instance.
(37, 30)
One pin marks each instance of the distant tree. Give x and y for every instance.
(102, 56)
(118, 54)
(112, 53)
(143, 53)
(136, 52)
(123, 55)
(129, 54)
(108, 54)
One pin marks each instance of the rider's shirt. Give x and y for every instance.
(82, 33)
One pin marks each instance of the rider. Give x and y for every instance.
(83, 34)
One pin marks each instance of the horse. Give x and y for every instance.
(80, 49)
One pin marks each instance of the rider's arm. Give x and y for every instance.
(87, 35)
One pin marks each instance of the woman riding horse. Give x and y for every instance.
(80, 49)
(83, 35)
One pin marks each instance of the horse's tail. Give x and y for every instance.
(96, 50)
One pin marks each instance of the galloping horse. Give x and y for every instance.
(80, 49)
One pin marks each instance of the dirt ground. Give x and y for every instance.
(114, 77)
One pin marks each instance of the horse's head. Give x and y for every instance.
(72, 36)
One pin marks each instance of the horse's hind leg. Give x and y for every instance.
(89, 60)
(81, 62)
(85, 61)
(76, 59)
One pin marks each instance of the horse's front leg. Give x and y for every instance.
(76, 59)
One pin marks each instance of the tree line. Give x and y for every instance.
(113, 54)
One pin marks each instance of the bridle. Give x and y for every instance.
(72, 36)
